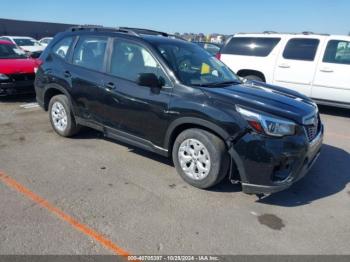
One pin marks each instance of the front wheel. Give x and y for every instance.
(61, 117)
(200, 158)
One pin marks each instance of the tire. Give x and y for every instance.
(214, 147)
(254, 77)
(67, 127)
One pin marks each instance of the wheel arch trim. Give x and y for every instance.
(207, 125)
(56, 87)
(196, 122)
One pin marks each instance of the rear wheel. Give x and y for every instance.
(61, 117)
(200, 158)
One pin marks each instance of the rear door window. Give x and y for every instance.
(337, 52)
(130, 59)
(301, 49)
(90, 52)
(250, 46)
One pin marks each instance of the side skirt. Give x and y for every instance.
(124, 137)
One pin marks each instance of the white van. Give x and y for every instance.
(313, 64)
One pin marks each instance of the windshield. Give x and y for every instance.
(194, 66)
(10, 52)
(25, 42)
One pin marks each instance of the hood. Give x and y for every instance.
(32, 48)
(274, 100)
(17, 66)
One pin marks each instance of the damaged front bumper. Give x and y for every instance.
(267, 165)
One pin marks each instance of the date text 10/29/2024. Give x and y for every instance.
(173, 258)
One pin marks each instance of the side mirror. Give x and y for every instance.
(149, 79)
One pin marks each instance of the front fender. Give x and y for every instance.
(196, 122)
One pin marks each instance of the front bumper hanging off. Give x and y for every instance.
(267, 165)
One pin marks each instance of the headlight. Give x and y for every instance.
(3, 77)
(269, 125)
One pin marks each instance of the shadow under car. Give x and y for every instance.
(329, 176)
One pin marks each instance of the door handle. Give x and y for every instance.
(326, 70)
(109, 86)
(284, 66)
(67, 74)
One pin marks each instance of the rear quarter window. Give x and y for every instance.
(61, 47)
(250, 46)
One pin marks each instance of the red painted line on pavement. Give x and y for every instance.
(13, 184)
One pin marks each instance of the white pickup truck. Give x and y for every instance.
(313, 64)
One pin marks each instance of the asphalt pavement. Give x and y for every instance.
(136, 201)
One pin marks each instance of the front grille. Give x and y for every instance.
(22, 77)
(312, 130)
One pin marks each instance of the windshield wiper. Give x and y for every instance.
(223, 83)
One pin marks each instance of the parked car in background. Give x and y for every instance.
(45, 41)
(28, 44)
(212, 48)
(313, 64)
(173, 98)
(16, 70)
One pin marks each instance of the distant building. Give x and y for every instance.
(29, 28)
(43, 29)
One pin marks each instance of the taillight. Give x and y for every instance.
(38, 62)
(218, 56)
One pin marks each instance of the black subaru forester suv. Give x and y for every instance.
(169, 96)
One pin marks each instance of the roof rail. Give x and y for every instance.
(283, 33)
(98, 28)
(312, 33)
(128, 30)
(307, 33)
(144, 31)
(265, 32)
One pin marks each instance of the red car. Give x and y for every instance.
(16, 70)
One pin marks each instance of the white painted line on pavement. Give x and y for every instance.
(29, 105)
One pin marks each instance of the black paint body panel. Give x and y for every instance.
(150, 118)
